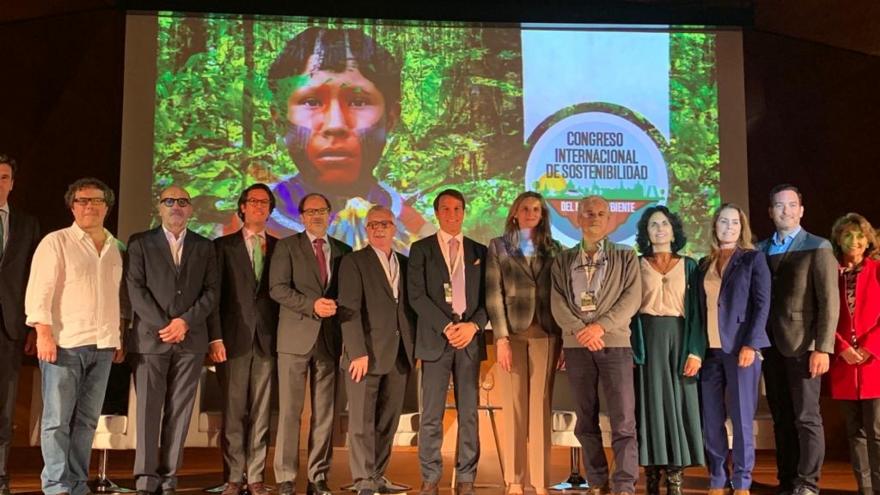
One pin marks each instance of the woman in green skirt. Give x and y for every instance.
(668, 343)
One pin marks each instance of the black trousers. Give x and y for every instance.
(797, 422)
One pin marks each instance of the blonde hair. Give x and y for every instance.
(745, 233)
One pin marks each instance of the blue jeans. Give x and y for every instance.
(73, 391)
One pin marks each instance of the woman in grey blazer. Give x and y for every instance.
(527, 339)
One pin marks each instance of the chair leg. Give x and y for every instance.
(491, 414)
(575, 481)
(102, 483)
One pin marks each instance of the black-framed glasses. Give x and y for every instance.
(90, 201)
(181, 202)
(315, 211)
(257, 202)
(380, 224)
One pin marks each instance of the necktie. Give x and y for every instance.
(459, 301)
(2, 233)
(257, 255)
(322, 260)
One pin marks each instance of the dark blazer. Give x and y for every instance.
(517, 292)
(245, 311)
(373, 323)
(427, 274)
(15, 266)
(295, 284)
(160, 292)
(804, 303)
(743, 301)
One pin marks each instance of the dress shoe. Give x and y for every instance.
(804, 490)
(286, 488)
(318, 488)
(387, 486)
(600, 490)
(258, 488)
(231, 488)
(429, 488)
(366, 491)
(464, 488)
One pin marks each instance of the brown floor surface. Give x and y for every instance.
(202, 468)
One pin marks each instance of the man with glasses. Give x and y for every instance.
(73, 301)
(596, 292)
(378, 331)
(172, 283)
(19, 234)
(303, 279)
(242, 331)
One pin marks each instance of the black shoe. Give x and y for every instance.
(464, 488)
(804, 490)
(652, 480)
(387, 487)
(285, 488)
(318, 488)
(429, 488)
(366, 491)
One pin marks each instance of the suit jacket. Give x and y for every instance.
(245, 312)
(860, 381)
(804, 303)
(743, 301)
(373, 323)
(160, 292)
(427, 274)
(517, 292)
(15, 265)
(295, 284)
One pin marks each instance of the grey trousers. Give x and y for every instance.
(612, 368)
(247, 382)
(435, 385)
(166, 386)
(863, 432)
(374, 406)
(321, 370)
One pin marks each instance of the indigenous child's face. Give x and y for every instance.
(338, 121)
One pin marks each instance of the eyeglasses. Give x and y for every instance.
(89, 201)
(316, 211)
(380, 224)
(257, 202)
(181, 202)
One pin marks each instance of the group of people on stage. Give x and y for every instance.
(676, 345)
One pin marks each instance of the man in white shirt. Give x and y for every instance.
(73, 301)
(446, 288)
(378, 329)
(172, 284)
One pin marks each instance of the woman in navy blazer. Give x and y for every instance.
(735, 292)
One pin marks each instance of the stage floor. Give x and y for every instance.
(203, 468)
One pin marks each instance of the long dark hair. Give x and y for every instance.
(541, 235)
(643, 240)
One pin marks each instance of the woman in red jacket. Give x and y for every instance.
(854, 377)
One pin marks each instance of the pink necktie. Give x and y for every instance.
(459, 300)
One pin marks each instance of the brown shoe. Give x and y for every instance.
(232, 488)
(258, 488)
(429, 488)
(464, 488)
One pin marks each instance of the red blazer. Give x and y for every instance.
(854, 382)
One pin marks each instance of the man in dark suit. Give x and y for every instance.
(377, 348)
(172, 283)
(446, 285)
(802, 323)
(242, 330)
(19, 234)
(303, 279)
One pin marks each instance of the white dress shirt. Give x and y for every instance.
(175, 244)
(326, 253)
(392, 270)
(443, 239)
(75, 289)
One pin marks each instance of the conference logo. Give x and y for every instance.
(597, 149)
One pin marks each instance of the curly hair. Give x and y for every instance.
(860, 222)
(679, 239)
